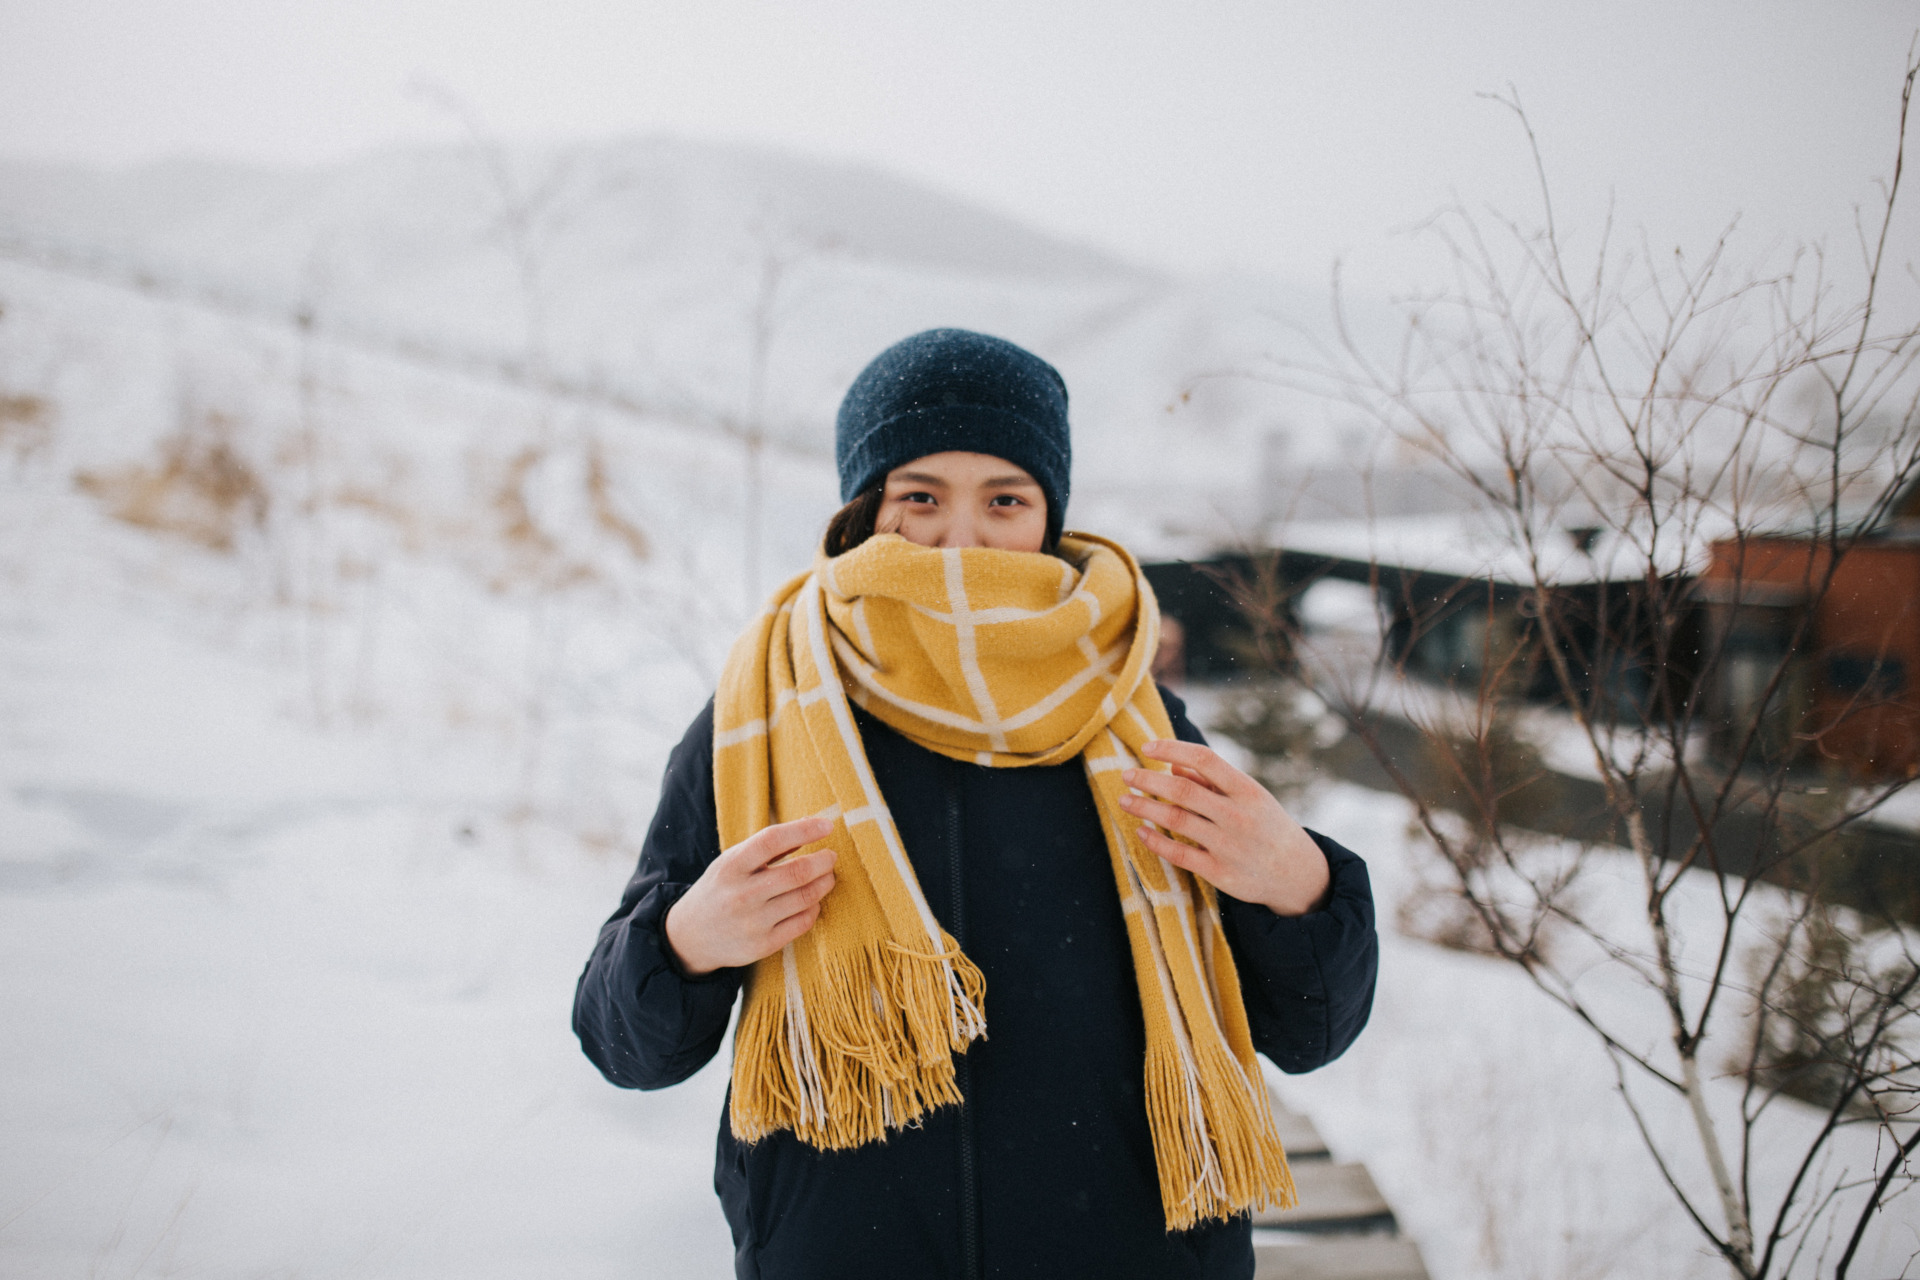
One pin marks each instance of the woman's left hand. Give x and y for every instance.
(1244, 842)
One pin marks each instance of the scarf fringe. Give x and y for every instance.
(1213, 1135)
(859, 1044)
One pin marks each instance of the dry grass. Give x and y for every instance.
(535, 556)
(26, 424)
(607, 515)
(201, 488)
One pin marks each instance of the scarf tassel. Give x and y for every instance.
(1213, 1135)
(860, 1043)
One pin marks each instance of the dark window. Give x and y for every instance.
(1867, 675)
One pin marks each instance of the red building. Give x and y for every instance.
(1823, 653)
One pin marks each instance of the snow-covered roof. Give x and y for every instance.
(1483, 545)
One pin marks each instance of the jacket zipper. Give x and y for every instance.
(957, 912)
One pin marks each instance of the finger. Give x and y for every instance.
(793, 872)
(753, 892)
(1171, 817)
(1205, 761)
(1184, 792)
(776, 841)
(1181, 771)
(1192, 775)
(792, 927)
(782, 905)
(1184, 856)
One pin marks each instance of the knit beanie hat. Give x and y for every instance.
(949, 389)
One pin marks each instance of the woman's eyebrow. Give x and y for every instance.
(1008, 482)
(918, 477)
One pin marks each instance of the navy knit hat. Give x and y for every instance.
(951, 389)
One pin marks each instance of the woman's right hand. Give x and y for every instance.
(743, 908)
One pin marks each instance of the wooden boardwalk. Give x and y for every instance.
(1343, 1229)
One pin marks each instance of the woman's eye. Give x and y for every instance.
(1007, 500)
(922, 497)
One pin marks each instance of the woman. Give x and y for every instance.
(1009, 932)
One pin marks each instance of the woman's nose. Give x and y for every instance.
(960, 531)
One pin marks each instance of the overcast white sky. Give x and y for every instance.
(1201, 134)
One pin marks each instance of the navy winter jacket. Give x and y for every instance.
(1047, 1169)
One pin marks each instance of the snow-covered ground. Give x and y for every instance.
(304, 838)
(281, 1002)
(292, 1000)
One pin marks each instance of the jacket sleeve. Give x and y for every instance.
(1307, 980)
(640, 1019)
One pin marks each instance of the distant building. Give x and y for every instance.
(1458, 607)
(1820, 657)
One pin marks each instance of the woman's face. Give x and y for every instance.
(964, 500)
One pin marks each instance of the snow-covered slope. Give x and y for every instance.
(724, 286)
(648, 201)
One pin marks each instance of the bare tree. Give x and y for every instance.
(784, 249)
(1672, 455)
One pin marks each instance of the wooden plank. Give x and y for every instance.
(1298, 1136)
(1359, 1258)
(1333, 1197)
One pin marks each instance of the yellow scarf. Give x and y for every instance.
(1002, 658)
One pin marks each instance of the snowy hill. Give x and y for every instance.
(723, 285)
(659, 199)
